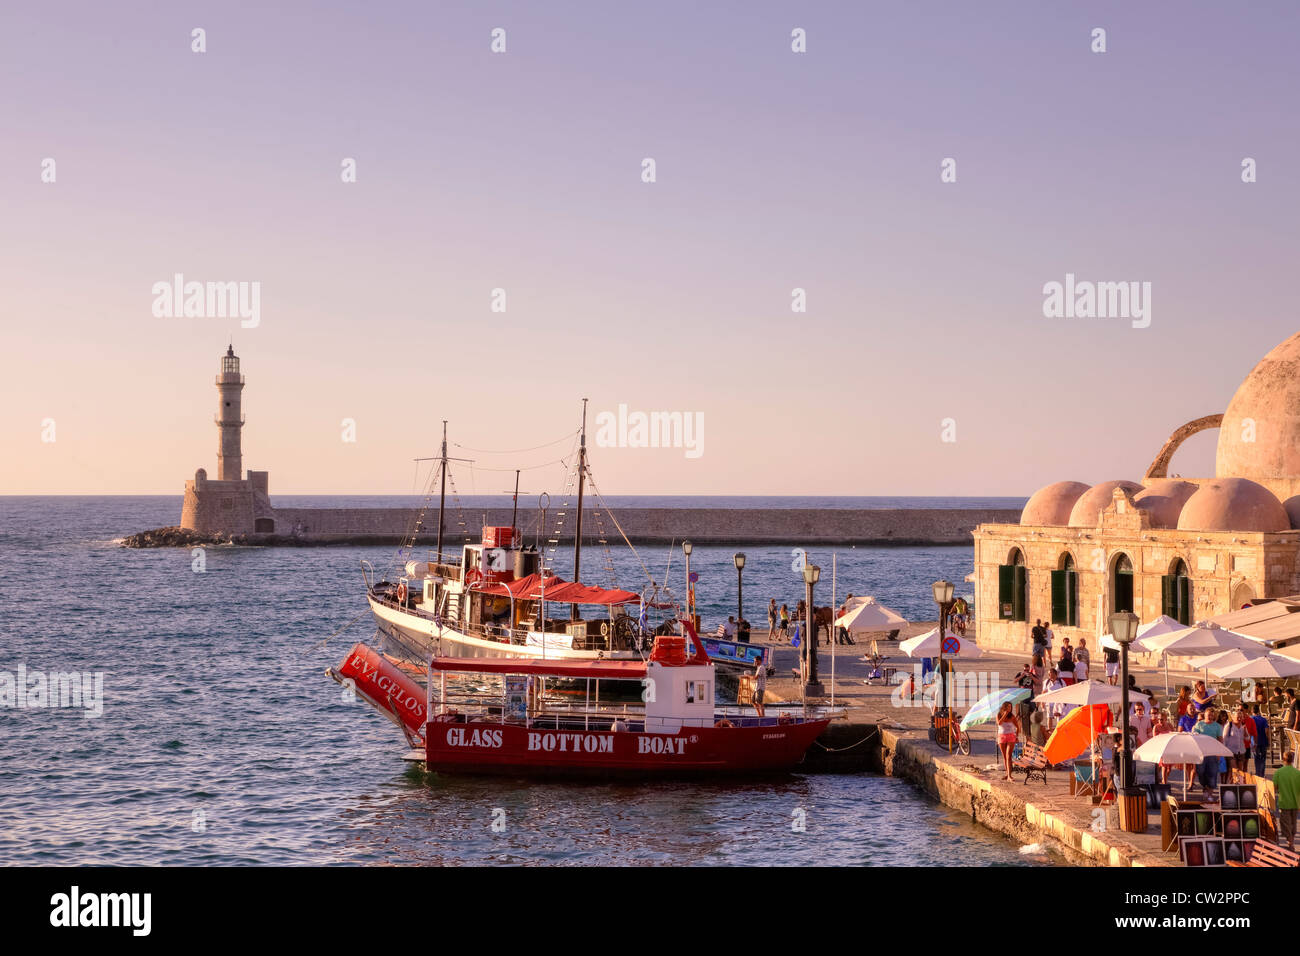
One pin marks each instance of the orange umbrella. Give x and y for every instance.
(1076, 732)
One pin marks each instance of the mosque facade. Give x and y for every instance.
(1190, 548)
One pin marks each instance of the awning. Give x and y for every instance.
(554, 588)
(596, 670)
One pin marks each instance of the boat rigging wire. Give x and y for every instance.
(515, 451)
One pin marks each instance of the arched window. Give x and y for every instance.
(1176, 592)
(1013, 585)
(1065, 592)
(1121, 584)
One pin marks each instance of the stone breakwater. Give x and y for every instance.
(703, 526)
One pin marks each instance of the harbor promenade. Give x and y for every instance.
(897, 741)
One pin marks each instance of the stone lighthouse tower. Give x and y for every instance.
(229, 418)
(235, 502)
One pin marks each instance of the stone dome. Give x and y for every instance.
(1233, 504)
(1260, 434)
(1163, 499)
(1086, 512)
(1051, 505)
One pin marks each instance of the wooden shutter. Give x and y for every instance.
(1021, 589)
(1184, 600)
(1072, 598)
(1060, 597)
(1006, 589)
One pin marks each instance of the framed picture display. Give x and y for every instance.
(1191, 850)
(1214, 852)
(1234, 851)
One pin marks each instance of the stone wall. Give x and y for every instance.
(718, 526)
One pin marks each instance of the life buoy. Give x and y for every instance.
(724, 722)
(401, 593)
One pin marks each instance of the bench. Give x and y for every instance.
(1270, 855)
(1031, 761)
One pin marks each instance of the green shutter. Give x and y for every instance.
(1060, 598)
(1072, 598)
(1006, 587)
(1185, 600)
(1169, 596)
(1021, 590)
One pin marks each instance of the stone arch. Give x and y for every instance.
(1160, 467)
(264, 525)
(1242, 594)
(1121, 583)
(1066, 561)
(1016, 556)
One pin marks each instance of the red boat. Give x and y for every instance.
(520, 716)
(502, 718)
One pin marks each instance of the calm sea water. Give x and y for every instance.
(222, 741)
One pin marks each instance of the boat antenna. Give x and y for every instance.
(442, 496)
(577, 537)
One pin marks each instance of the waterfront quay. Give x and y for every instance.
(877, 735)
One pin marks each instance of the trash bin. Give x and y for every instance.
(1133, 810)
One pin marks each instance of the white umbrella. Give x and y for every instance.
(1178, 748)
(867, 615)
(927, 645)
(1086, 693)
(1270, 666)
(1238, 655)
(1196, 640)
(1164, 624)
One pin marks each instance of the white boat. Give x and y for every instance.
(496, 599)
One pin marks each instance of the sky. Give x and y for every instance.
(923, 365)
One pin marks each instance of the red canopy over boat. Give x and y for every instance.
(531, 588)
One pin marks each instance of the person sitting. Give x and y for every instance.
(1201, 697)
(729, 629)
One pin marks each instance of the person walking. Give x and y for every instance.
(1261, 739)
(760, 684)
(1286, 782)
(1111, 658)
(785, 623)
(1209, 772)
(1008, 732)
(1081, 659)
(1065, 666)
(771, 620)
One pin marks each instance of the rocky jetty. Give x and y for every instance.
(177, 537)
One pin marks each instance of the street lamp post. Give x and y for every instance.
(690, 591)
(942, 597)
(1124, 625)
(812, 687)
(739, 558)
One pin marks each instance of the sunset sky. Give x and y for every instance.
(775, 170)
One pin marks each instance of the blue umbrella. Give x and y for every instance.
(987, 707)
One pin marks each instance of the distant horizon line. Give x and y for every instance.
(505, 496)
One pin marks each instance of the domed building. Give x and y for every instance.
(1189, 548)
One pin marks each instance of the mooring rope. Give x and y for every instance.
(836, 750)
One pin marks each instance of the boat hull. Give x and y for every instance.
(496, 748)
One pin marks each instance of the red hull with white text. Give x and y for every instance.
(497, 748)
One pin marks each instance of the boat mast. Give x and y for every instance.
(442, 497)
(582, 474)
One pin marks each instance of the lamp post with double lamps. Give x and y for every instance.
(687, 548)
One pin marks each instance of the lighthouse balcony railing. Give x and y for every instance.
(221, 421)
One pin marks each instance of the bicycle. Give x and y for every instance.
(947, 733)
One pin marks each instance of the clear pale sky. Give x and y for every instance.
(522, 170)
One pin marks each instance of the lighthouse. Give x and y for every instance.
(234, 502)
(229, 418)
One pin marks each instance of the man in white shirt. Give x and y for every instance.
(729, 630)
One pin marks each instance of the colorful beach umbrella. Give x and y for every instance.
(987, 707)
(1076, 732)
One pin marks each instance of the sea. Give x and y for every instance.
(220, 740)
